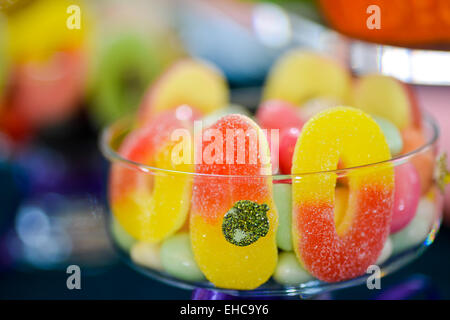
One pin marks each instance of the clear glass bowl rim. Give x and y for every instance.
(109, 133)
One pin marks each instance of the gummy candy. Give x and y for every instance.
(177, 258)
(151, 206)
(230, 255)
(329, 252)
(413, 139)
(277, 114)
(406, 195)
(192, 82)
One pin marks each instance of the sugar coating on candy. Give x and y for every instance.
(328, 251)
(245, 223)
(151, 206)
(331, 257)
(225, 264)
(211, 190)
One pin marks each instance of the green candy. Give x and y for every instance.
(127, 64)
(282, 194)
(245, 223)
(417, 230)
(121, 237)
(178, 260)
(289, 271)
(392, 134)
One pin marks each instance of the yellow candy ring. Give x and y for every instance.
(151, 206)
(329, 252)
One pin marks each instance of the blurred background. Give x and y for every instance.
(70, 67)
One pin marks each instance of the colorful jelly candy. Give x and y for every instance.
(233, 219)
(413, 139)
(417, 229)
(277, 114)
(282, 195)
(329, 252)
(211, 118)
(178, 260)
(121, 237)
(299, 76)
(289, 271)
(192, 82)
(406, 195)
(313, 106)
(392, 134)
(146, 254)
(288, 139)
(389, 98)
(151, 206)
(386, 252)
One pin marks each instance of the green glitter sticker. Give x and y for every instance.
(245, 223)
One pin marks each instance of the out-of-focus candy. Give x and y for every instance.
(151, 206)
(126, 65)
(289, 271)
(417, 230)
(122, 238)
(4, 59)
(328, 252)
(146, 254)
(46, 92)
(288, 139)
(392, 134)
(386, 252)
(389, 98)
(406, 195)
(424, 161)
(178, 260)
(211, 118)
(233, 219)
(313, 106)
(299, 76)
(282, 195)
(41, 28)
(277, 114)
(188, 82)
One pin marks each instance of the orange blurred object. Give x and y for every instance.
(402, 22)
(413, 139)
(44, 93)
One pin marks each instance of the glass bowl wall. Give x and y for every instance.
(407, 244)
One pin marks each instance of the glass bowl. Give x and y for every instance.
(144, 256)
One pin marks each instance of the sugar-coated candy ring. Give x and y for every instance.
(329, 252)
(151, 206)
(233, 219)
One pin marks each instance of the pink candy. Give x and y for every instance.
(406, 196)
(276, 114)
(288, 139)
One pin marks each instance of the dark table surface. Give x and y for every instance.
(120, 282)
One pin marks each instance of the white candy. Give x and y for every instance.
(146, 254)
(386, 252)
(289, 271)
